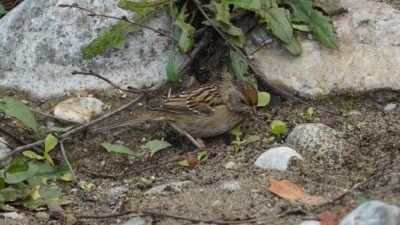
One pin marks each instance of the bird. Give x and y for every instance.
(207, 111)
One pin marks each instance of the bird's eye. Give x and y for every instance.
(243, 101)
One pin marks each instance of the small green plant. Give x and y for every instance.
(278, 127)
(154, 146)
(118, 149)
(239, 143)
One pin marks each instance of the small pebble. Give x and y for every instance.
(389, 107)
(310, 222)
(165, 189)
(42, 215)
(230, 186)
(135, 221)
(276, 158)
(230, 165)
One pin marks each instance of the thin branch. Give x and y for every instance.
(164, 163)
(257, 72)
(259, 47)
(50, 116)
(123, 18)
(74, 131)
(67, 162)
(143, 212)
(91, 73)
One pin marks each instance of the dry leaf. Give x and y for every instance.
(192, 160)
(292, 192)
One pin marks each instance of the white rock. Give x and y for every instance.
(42, 44)
(368, 57)
(78, 110)
(135, 221)
(389, 107)
(373, 213)
(230, 165)
(319, 139)
(170, 188)
(115, 192)
(12, 215)
(276, 158)
(4, 150)
(310, 222)
(230, 186)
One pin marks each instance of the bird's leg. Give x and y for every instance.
(194, 141)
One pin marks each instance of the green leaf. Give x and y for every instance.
(50, 142)
(263, 99)
(278, 22)
(2, 183)
(61, 129)
(114, 38)
(252, 138)
(186, 30)
(48, 158)
(301, 27)
(66, 177)
(155, 146)
(320, 25)
(2, 10)
(142, 7)
(172, 74)
(294, 47)
(32, 155)
(236, 132)
(331, 8)
(184, 163)
(278, 127)
(12, 178)
(17, 109)
(250, 4)
(239, 65)
(310, 111)
(117, 149)
(222, 21)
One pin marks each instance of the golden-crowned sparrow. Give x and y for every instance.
(207, 111)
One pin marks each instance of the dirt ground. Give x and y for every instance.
(372, 155)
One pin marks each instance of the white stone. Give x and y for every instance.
(368, 57)
(310, 222)
(373, 213)
(230, 165)
(135, 221)
(276, 158)
(230, 186)
(41, 44)
(78, 110)
(12, 215)
(165, 189)
(389, 107)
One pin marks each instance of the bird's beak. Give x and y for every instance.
(254, 110)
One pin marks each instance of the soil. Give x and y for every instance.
(372, 155)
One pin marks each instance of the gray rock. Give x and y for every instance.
(42, 215)
(12, 215)
(135, 221)
(4, 150)
(230, 165)
(42, 44)
(310, 222)
(319, 139)
(114, 192)
(171, 188)
(389, 107)
(368, 38)
(230, 186)
(276, 158)
(373, 213)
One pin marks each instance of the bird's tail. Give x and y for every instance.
(149, 116)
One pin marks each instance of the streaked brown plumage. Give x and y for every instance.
(207, 111)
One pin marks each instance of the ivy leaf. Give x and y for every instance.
(155, 146)
(320, 25)
(142, 7)
(32, 155)
(222, 21)
(117, 148)
(12, 178)
(114, 38)
(17, 109)
(263, 99)
(239, 65)
(49, 143)
(2, 10)
(278, 127)
(172, 73)
(185, 43)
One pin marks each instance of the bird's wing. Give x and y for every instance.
(199, 101)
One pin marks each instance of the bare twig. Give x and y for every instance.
(91, 73)
(257, 72)
(67, 162)
(74, 131)
(143, 212)
(164, 163)
(344, 193)
(123, 18)
(259, 47)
